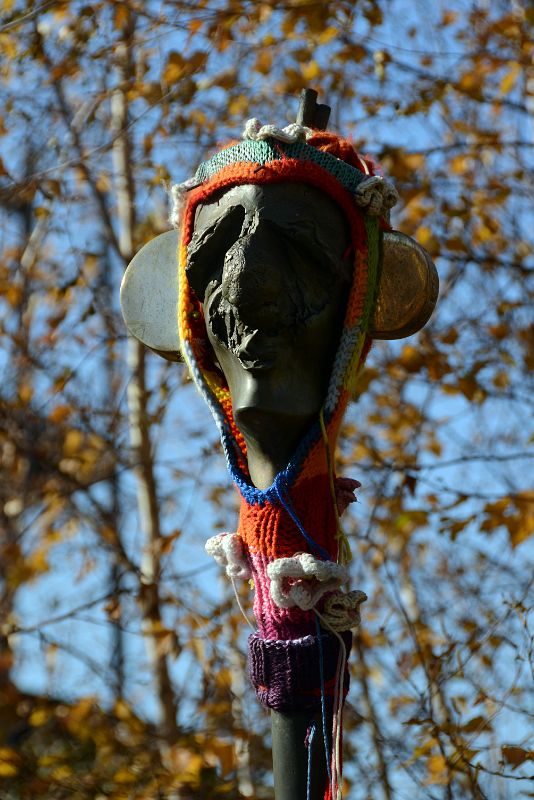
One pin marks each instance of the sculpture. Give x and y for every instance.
(280, 289)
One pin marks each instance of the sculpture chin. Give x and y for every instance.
(272, 438)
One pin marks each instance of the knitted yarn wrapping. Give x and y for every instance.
(290, 666)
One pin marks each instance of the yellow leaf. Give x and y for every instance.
(521, 527)
(196, 61)
(311, 71)
(224, 755)
(60, 413)
(421, 750)
(73, 442)
(61, 772)
(509, 80)
(8, 46)
(225, 79)
(411, 358)
(328, 34)
(191, 773)
(125, 776)
(8, 754)
(460, 164)
(38, 717)
(449, 17)
(425, 236)
(122, 15)
(9, 762)
(437, 769)
(399, 702)
(501, 380)
(470, 83)
(263, 62)
(25, 392)
(237, 105)
(13, 294)
(174, 68)
(37, 562)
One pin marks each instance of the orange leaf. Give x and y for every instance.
(516, 755)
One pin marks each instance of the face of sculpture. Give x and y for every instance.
(272, 266)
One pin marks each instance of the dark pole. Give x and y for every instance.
(289, 731)
(311, 113)
(290, 756)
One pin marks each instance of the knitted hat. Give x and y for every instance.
(271, 155)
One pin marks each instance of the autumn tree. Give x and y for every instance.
(121, 655)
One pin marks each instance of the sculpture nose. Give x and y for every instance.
(253, 271)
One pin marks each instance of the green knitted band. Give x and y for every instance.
(262, 152)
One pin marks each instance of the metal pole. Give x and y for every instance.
(312, 113)
(290, 756)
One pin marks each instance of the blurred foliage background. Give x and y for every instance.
(122, 670)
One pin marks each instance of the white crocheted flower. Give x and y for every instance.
(301, 580)
(228, 551)
(257, 132)
(342, 610)
(376, 195)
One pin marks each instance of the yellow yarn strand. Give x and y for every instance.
(344, 551)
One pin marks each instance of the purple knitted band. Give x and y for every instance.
(286, 673)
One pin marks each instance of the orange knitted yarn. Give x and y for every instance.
(341, 148)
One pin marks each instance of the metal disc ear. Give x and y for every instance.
(407, 290)
(149, 296)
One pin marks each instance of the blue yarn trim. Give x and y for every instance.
(285, 478)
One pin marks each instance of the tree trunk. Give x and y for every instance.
(137, 403)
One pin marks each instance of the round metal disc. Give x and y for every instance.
(149, 296)
(408, 288)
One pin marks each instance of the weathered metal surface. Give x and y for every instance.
(408, 288)
(149, 296)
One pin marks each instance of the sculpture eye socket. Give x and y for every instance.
(208, 247)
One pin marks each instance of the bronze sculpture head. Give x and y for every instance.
(272, 267)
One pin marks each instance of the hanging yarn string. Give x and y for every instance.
(285, 500)
(309, 743)
(337, 712)
(327, 750)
